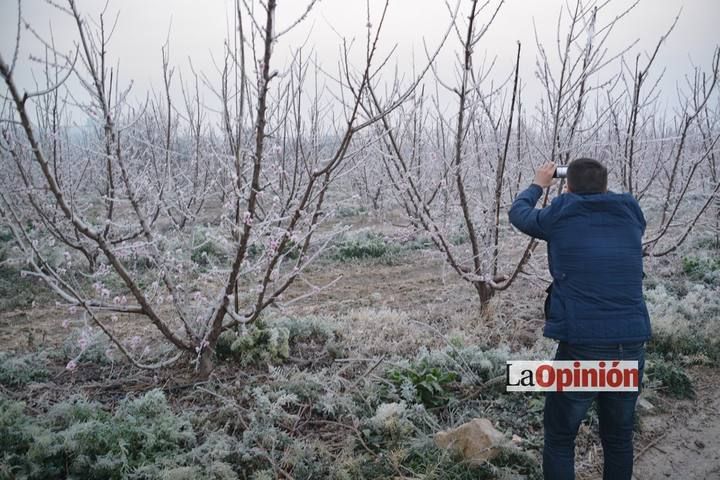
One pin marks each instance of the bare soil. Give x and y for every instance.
(684, 441)
(678, 439)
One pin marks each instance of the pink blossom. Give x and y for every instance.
(66, 323)
(274, 244)
(71, 365)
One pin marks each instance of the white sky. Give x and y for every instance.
(197, 29)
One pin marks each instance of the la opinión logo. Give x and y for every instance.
(572, 376)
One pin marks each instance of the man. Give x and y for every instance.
(595, 306)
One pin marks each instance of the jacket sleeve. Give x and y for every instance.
(528, 219)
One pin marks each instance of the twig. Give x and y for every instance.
(649, 446)
(367, 372)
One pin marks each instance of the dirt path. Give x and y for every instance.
(689, 448)
(678, 439)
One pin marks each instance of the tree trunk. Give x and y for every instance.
(485, 292)
(206, 364)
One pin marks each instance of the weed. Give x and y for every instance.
(306, 329)
(272, 341)
(473, 363)
(693, 315)
(16, 371)
(208, 252)
(16, 436)
(418, 243)
(18, 291)
(670, 376)
(141, 263)
(707, 242)
(347, 212)
(673, 346)
(86, 345)
(423, 458)
(5, 235)
(429, 384)
(364, 247)
(459, 235)
(257, 345)
(255, 249)
(291, 249)
(700, 269)
(78, 439)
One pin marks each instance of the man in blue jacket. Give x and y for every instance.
(595, 307)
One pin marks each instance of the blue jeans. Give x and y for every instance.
(564, 411)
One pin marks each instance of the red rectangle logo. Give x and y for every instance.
(572, 376)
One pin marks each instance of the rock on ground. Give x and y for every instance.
(476, 441)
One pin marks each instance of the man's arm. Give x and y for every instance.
(525, 217)
(523, 214)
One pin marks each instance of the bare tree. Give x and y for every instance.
(151, 173)
(463, 167)
(687, 155)
(482, 130)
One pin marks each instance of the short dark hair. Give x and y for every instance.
(587, 175)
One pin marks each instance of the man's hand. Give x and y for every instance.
(544, 175)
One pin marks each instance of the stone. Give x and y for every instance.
(476, 441)
(644, 404)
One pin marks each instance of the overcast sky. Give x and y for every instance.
(197, 29)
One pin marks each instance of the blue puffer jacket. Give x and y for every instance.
(595, 257)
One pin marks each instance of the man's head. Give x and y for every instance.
(585, 175)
